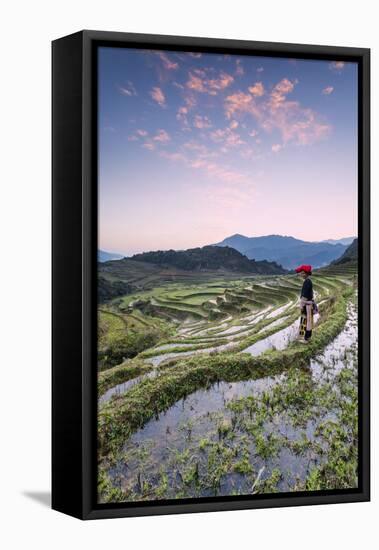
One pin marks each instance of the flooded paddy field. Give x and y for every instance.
(226, 401)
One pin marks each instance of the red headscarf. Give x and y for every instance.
(305, 268)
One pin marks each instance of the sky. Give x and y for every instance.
(195, 147)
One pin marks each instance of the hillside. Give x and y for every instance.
(104, 256)
(285, 250)
(151, 269)
(350, 254)
(209, 258)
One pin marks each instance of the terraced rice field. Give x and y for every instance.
(226, 400)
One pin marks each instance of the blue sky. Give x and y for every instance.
(196, 147)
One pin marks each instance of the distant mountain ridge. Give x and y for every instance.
(286, 250)
(345, 240)
(209, 258)
(350, 254)
(104, 256)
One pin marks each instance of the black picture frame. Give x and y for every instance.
(74, 272)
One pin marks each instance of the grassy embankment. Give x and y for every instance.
(122, 416)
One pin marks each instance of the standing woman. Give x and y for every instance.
(306, 303)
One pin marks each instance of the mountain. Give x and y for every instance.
(345, 241)
(209, 258)
(153, 269)
(103, 256)
(285, 250)
(350, 254)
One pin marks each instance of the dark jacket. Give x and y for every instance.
(307, 290)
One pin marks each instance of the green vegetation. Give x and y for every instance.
(248, 439)
(121, 373)
(119, 339)
(192, 337)
(209, 258)
(122, 416)
(154, 269)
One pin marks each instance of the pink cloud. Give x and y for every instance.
(148, 145)
(162, 136)
(295, 123)
(257, 90)
(200, 150)
(202, 122)
(276, 147)
(226, 194)
(239, 68)
(198, 157)
(227, 137)
(280, 91)
(233, 125)
(248, 153)
(138, 133)
(240, 103)
(195, 83)
(190, 101)
(220, 83)
(223, 173)
(219, 134)
(183, 111)
(328, 90)
(233, 139)
(167, 63)
(172, 156)
(158, 96)
(337, 66)
(197, 163)
(199, 82)
(128, 90)
(182, 115)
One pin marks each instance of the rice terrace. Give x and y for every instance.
(204, 388)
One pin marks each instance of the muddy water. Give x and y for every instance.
(204, 331)
(190, 421)
(279, 340)
(279, 310)
(332, 360)
(158, 359)
(119, 389)
(181, 429)
(257, 315)
(273, 324)
(232, 330)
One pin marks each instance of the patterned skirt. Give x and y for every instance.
(306, 320)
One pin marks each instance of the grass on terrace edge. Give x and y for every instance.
(119, 418)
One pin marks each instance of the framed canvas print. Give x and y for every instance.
(210, 274)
